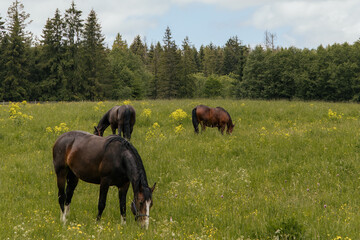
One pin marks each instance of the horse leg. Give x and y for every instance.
(120, 129)
(113, 130)
(72, 182)
(203, 127)
(222, 129)
(104, 187)
(61, 176)
(122, 201)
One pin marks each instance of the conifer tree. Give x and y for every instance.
(138, 48)
(169, 81)
(2, 62)
(72, 38)
(53, 84)
(94, 60)
(16, 84)
(154, 58)
(187, 68)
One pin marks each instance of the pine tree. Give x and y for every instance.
(154, 59)
(119, 43)
(187, 68)
(94, 60)
(169, 81)
(53, 84)
(138, 48)
(16, 84)
(72, 38)
(2, 50)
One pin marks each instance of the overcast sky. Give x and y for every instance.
(299, 23)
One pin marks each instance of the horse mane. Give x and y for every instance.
(226, 113)
(142, 180)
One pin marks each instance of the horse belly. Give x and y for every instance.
(85, 167)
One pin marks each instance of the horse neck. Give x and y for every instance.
(138, 174)
(104, 122)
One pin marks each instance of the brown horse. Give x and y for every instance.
(110, 161)
(118, 117)
(211, 117)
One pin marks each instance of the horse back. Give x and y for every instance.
(82, 153)
(203, 113)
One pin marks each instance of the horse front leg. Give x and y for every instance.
(203, 127)
(222, 129)
(120, 129)
(104, 188)
(122, 201)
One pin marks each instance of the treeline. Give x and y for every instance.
(71, 62)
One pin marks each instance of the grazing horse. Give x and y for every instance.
(118, 117)
(211, 117)
(110, 161)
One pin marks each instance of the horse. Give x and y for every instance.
(211, 117)
(118, 117)
(110, 161)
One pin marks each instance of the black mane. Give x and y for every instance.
(140, 167)
(104, 121)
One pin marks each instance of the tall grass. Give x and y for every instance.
(290, 170)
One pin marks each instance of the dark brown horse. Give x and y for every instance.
(110, 161)
(118, 117)
(211, 117)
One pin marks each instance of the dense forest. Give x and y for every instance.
(70, 62)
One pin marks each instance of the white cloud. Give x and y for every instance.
(313, 22)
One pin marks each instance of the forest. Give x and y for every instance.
(70, 62)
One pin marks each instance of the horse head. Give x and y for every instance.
(231, 127)
(141, 205)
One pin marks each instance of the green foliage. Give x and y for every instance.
(72, 63)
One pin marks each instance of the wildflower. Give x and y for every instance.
(127, 102)
(179, 129)
(100, 106)
(178, 115)
(154, 132)
(146, 113)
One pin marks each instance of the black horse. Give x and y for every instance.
(211, 117)
(110, 161)
(118, 117)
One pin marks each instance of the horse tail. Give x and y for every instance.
(127, 118)
(195, 120)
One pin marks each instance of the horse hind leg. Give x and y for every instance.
(61, 180)
(104, 188)
(72, 182)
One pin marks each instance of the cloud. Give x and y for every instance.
(313, 22)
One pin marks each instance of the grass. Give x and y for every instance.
(290, 170)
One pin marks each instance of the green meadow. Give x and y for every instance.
(290, 170)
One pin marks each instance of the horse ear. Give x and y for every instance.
(153, 187)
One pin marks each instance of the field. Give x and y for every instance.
(290, 170)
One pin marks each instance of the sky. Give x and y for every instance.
(298, 23)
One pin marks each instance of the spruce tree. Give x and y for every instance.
(139, 48)
(169, 81)
(187, 68)
(72, 38)
(53, 84)
(16, 84)
(94, 60)
(154, 64)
